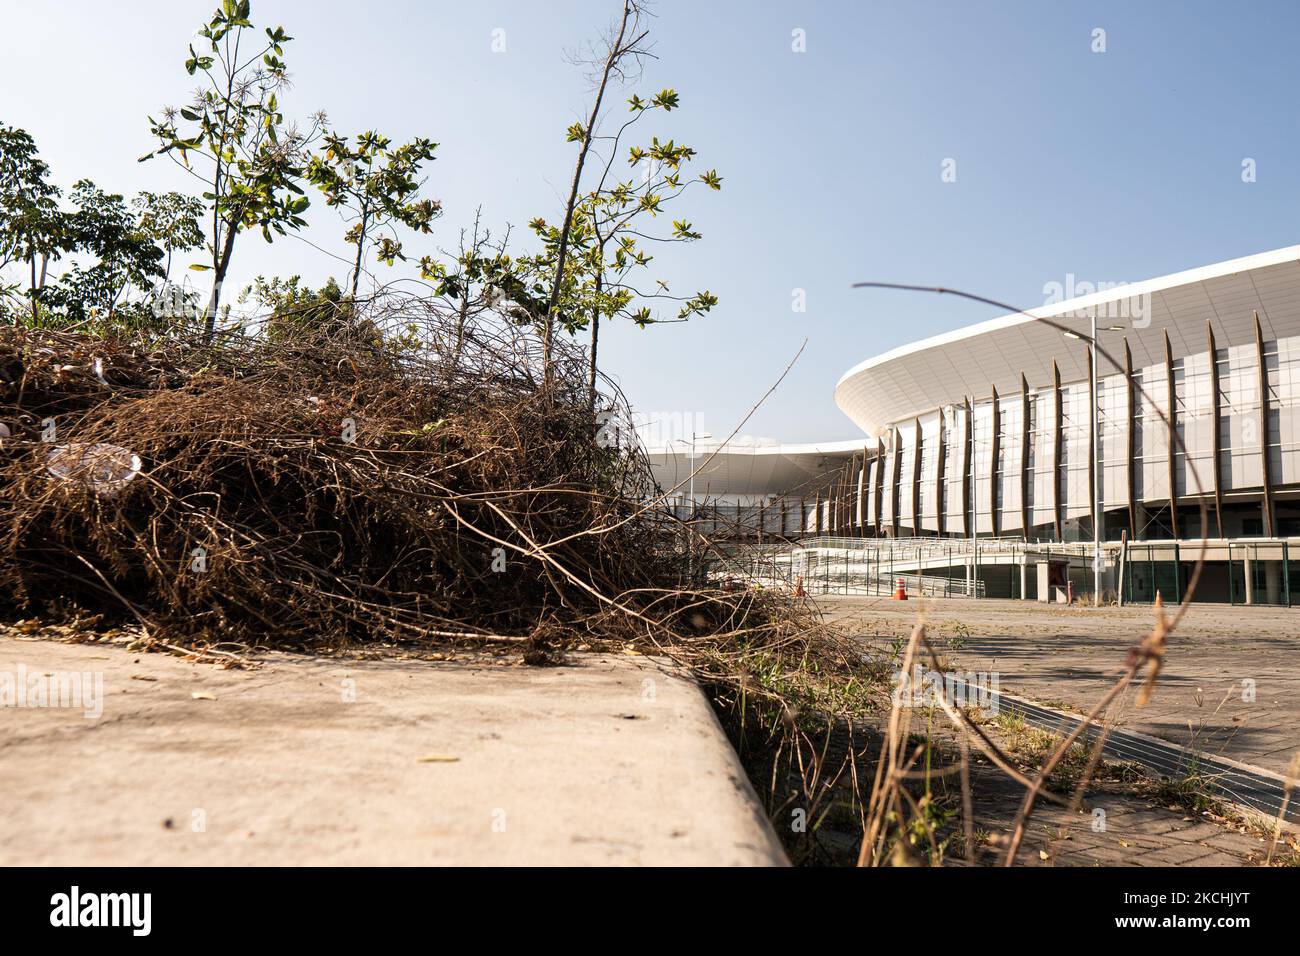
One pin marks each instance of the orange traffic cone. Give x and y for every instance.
(901, 593)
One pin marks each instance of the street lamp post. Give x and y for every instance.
(1097, 518)
(691, 491)
(1095, 416)
(691, 484)
(951, 411)
(974, 500)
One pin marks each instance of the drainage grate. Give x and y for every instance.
(1248, 787)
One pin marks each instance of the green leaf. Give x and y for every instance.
(666, 100)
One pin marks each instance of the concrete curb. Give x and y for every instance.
(306, 760)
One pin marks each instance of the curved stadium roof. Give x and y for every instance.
(918, 378)
(751, 469)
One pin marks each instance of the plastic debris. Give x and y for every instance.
(104, 469)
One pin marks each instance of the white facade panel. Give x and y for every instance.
(930, 473)
(1076, 433)
(1009, 446)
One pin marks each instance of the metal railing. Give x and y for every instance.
(845, 572)
(942, 567)
(957, 547)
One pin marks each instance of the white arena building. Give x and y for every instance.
(987, 432)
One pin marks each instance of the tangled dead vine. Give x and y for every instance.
(320, 490)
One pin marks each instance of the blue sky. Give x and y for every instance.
(1113, 166)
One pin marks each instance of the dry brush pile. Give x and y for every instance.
(320, 493)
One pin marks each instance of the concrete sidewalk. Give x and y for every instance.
(321, 761)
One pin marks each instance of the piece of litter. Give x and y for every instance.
(202, 695)
(142, 677)
(437, 758)
(104, 469)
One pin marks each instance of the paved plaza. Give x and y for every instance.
(1217, 659)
